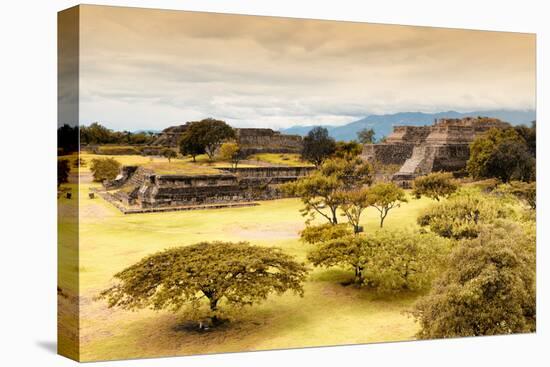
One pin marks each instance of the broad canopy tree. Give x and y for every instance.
(211, 274)
(204, 136)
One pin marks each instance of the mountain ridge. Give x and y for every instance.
(383, 124)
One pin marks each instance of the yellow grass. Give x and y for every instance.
(328, 314)
(287, 159)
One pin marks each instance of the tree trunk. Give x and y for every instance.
(334, 218)
(214, 308)
(382, 217)
(358, 275)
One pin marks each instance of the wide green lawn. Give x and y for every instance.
(328, 314)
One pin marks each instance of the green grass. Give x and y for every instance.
(328, 314)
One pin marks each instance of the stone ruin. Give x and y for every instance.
(139, 189)
(419, 150)
(251, 140)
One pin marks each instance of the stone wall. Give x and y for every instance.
(387, 153)
(253, 141)
(408, 134)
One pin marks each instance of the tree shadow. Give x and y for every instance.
(48, 345)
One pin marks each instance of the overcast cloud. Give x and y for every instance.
(149, 69)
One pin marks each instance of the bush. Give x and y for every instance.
(400, 260)
(324, 232)
(462, 216)
(105, 169)
(488, 288)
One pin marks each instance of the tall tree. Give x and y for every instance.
(353, 204)
(211, 274)
(366, 136)
(385, 196)
(322, 188)
(318, 146)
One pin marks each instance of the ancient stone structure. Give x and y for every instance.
(138, 187)
(444, 146)
(250, 140)
(254, 141)
(170, 136)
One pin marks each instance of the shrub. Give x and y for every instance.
(523, 191)
(462, 216)
(105, 169)
(487, 289)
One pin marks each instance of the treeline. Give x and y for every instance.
(99, 134)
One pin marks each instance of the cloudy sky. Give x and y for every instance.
(149, 69)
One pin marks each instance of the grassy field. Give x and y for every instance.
(286, 159)
(328, 314)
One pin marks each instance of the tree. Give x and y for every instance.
(169, 154)
(205, 136)
(501, 153)
(384, 260)
(321, 189)
(190, 143)
(230, 151)
(434, 185)
(344, 251)
(348, 150)
(462, 216)
(366, 136)
(105, 169)
(318, 146)
(529, 134)
(353, 203)
(403, 260)
(63, 170)
(385, 196)
(212, 274)
(487, 289)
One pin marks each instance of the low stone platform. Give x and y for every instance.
(138, 210)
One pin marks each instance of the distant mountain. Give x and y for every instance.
(383, 124)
